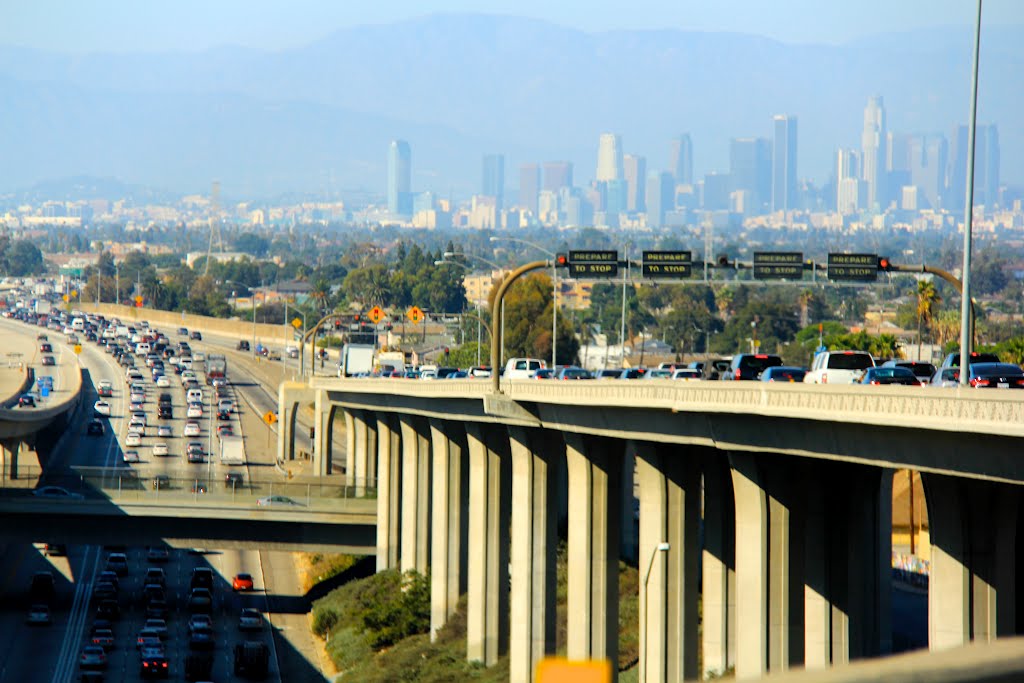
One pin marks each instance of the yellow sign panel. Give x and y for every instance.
(296, 323)
(270, 418)
(376, 314)
(74, 293)
(555, 670)
(415, 314)
(78, 349)
(138, 300)
(66, 298)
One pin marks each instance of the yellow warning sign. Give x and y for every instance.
(78, 349)
(270, 418)
(376, 314)
(415, 314)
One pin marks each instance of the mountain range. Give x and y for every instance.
(319, 118)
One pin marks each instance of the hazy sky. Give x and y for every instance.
(129, 25)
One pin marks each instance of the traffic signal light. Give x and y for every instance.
(355, 318)
(562, 260)
(884, 264)
(723, 261)
(337, 324)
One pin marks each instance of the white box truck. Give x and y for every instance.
(355, 359)
(232, 450)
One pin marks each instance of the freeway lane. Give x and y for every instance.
(55, 649)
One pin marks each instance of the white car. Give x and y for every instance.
(188, 376)
(191, 429)
(130, 456)
(133, 439)
(139, 417)
(163, 381)
(137, 397)
(101, 408)
(160, 449)
(194, 395)
(164, 431)
(106, 384)
(195, 410)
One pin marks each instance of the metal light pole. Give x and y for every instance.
(966, 333)
(662, 547)
(117, 283)
(554, 292)
(446, 262)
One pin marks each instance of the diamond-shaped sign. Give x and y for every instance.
(376, 314)
(415, 314)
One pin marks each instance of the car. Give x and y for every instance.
(890, 375)
(783, 373)
(136, 405)
(223, 415)
(242, 346)
(56, 493)
(234, 480)
(104, 590)
(839, 367)
(922, 370)
(154, 664)
(157, 608)
(996, 376)
(198, 487)
(242, 582)
(688, 374)
(49, 360)
(38, 615)
(573, 373)
(522, 368)
(161, 481)
(101, 408)
(659, 373)
(543, 373)
(160, 449)
(201, 638)
(108, 609)
(163, 381)
(165, 412)
(92, 657)
(946, 377)
(109, 576)
(195, 457)
(95, 428)
(195, 411)
(200, 600)
(196, 336)
(182, 332)
(250, 619)
(164, 431)
(276, 501)
(118, 563)
(225, 430)
(130, 456)
(952, 360)
(157, 626)
(749, 366)
(133, 439)
(194, 396)
(27, 401)
(104, 637)
(157, 554)
(105, 389)
(192, 428)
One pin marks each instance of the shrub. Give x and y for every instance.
(324, 620)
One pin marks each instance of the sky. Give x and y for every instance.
(194, 25)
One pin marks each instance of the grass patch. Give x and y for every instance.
(316, 568)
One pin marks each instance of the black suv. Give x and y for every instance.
(953, 359)
(750, 366)
(242, 346)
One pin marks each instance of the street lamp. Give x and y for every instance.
(446, 262)
(554, 292)
(662, 547)
(966, 333)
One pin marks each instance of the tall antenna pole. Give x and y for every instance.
(966, 324)
(214, 223)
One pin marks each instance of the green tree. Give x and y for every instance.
(927, 299)
(22, 258)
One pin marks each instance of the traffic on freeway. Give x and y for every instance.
(157, 416)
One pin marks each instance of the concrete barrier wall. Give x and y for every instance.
(169, 321)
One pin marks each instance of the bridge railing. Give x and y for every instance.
(126, 486)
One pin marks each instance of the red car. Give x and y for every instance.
(242, 582)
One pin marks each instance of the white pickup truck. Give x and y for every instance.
(522, 368)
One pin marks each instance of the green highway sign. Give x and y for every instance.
(778, 265)
(667, 264)
(593, 263)
(853, 267)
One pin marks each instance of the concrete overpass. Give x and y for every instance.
(791, 482)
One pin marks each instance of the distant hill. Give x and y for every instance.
(457, 86)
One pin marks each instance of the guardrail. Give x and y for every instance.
(125, 486)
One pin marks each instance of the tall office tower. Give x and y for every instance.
(872, 154)
(784, 194)
(492, 182)
(660, 197)
(928, 166)
(399, 178)
(682, 159)
(557, 174)
(529, 187)
(609, 157)
(750, 168)
(716, 191)
(850, 189)
(986, 167)
(635, 169)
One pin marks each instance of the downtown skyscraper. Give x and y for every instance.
(399, 178)
(492, 183)
(872, 148)
(609, 158)
(784, 194)
(681, 159)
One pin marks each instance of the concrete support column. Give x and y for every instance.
(489, 517)
(594, 517)
(12, 449)
(415, 532)
(533, 544)
(286, 430)
(389, 495)
(448, 443)
(972, 592)
(351, 439)
(669, 510)
(322, 412)
(769, 606)
(817, 595)
(365, 448)
(718, 644)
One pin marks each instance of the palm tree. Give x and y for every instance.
(927, 298)
(805, 299)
